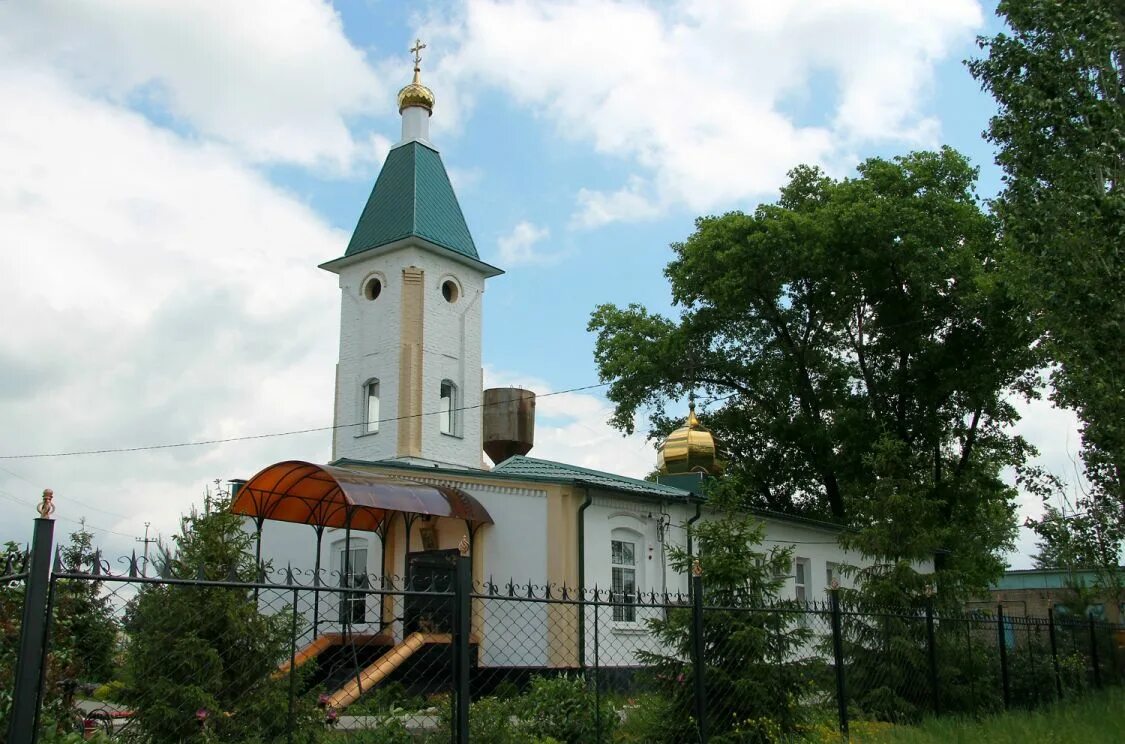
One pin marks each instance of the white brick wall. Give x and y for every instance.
(369, 347)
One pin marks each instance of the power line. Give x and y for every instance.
(80, 523)
(69, 499)
(271, 435)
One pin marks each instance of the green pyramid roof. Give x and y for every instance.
(413, 197)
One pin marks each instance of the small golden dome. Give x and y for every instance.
(691, 448)
(416, 94)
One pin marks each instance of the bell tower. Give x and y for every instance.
(409, 380)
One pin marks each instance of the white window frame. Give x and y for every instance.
(624, 612)
(802, 574)
(448, 413)
(353, 575)
(371, 425)
(831, 571)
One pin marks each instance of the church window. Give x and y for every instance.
(450, 291)
(623, 564)
(353, 575)
(447, 408)
(373, 288)
(371, 409)
(801, 568)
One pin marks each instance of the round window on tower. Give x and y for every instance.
(450, 291)
(372, 288)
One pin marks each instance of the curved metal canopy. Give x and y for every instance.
(328, 496)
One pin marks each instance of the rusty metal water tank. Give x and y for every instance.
(509, 422)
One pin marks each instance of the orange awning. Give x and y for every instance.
(296, 491)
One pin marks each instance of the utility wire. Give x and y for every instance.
(80, 523)
(271, 435)
(69, 499)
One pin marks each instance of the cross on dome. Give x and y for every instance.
(417, 50)
(415, 94)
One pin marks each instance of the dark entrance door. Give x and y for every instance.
(430, 571)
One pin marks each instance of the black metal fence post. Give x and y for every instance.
(838, 656)
(597, 663)
(462, 623)
(33, 630)
(1054, 652)
(698, 660)
(292, 662)
(1094, 655)
(931, 646)
(1002, 642)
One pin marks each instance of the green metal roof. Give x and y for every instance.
(529, 469)
(518, 465)
(1046, 578)
(413, 197)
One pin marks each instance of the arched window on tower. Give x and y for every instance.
(371, 406)
(448, 408)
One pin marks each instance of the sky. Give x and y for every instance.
(171, 174)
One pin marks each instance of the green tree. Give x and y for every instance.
(755, 680)
(863, 345)
(1058, 75)
(83, 634)
(85, 628)
(209, 650)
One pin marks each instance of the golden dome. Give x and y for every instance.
(416, 94)
(691, 448)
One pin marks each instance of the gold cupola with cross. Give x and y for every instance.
(415, 94)
(689, 449)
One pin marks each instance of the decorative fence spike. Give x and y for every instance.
(133, 570)
(511, 588)
(96, 568)
(232, 571)
(58, 567)
(289, 580)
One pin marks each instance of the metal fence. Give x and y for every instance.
(243, 653)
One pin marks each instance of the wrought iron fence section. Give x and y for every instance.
(215, 651)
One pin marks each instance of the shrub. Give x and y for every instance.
(564, 708)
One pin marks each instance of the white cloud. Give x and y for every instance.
(518, 246)
(597, 208)
(573, 428)
(692, 96)
(156, 290)
(277, 81)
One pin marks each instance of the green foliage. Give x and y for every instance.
(754, 678)
(1058, 75)
(1094, 719)
(387, 697)
(561, 709)
(864, 344)
(491, 721)
(110, 692)
(83, 636)
(83, 615)
(11, 607)
(566, 709)
(649, 716)
(208, 649)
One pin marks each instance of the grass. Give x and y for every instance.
(1098, 718)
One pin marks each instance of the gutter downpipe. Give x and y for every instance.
(582, 578)
(690, 523)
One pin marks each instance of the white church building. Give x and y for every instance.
(409, 479)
